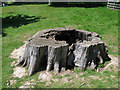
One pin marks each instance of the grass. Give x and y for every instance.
(0, 53)
(0, 61)
(38, 17)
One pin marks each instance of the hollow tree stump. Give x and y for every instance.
(59, 48)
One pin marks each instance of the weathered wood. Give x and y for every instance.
(57, 57)
(63, 48)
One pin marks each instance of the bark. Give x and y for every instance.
(57, 57)
(53, 49)
(90, 55)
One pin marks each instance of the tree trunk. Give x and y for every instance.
(63, 48)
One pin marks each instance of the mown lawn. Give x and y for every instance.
(0, 52)
(0, 61)
(22, 21)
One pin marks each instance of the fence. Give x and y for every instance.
(113, 4)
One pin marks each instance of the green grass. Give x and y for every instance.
(100, 20)
(0, 53)
(0, 61)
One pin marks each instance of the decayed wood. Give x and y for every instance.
(63, 48)
(57, 57)
(89, 55)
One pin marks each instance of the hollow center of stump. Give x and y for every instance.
(60, 37)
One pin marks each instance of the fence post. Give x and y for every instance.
(49, 2)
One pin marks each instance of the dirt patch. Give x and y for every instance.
(64, 73)
(13, 63)
(17, 53)
(19, 72)
(32, 80)
(65, 79)
(9, 83)
(45, 76)
(28, 84)
(112, 76)
(82, 78)
(113, 63)
(24, 86)
(55, 80)
(12, 82)
(95, 77)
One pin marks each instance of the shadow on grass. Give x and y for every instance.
(17, 21)
(79, 4)
(26, 3)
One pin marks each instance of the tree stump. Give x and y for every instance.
(59, 48)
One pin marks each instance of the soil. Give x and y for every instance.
(19, 72)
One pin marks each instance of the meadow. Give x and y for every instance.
(21, 22)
